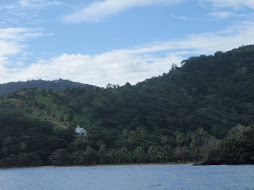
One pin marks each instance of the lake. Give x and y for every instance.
(136, 177)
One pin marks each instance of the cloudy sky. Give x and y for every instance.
(114, 41)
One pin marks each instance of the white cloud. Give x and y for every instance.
(25, 12)
(111, 67)
(38, 3)
(225, 15)
(101, 9)
(11, 41)
(133, 65)
(179, 17)
(236, 4)
(29, 4)
(18, 34)
(117, 66)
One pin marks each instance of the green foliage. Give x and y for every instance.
(59, 84)
(25, 141)
(236, 148)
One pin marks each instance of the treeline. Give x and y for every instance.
(195, 147)
(38, 143)
(32, 142)
(59, 84)
(136, 148)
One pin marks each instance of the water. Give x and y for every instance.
(147, 177)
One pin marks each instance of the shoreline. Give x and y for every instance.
(98, 165)
(117, 165)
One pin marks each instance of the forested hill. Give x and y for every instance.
(178, 116)
(211, 92)
(59, 84)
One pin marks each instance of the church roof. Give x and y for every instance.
(80, 130)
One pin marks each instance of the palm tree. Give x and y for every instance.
(131, 139)
(179, 138)
(125, 134)
(80, 142)
(139, 154)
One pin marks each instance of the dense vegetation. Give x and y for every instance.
(59, 84)
(188, 114)
(236, 148)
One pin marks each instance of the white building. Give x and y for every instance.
(80, 131)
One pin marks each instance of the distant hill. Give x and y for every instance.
(179, 116)
(59, 84)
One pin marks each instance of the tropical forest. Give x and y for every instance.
(201, 112)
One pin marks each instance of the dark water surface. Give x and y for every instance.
(143, 177)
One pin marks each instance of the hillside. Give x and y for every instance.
(179, 116)
(59, 84)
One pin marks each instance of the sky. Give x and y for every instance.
(115, 41)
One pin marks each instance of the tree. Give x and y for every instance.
(179, 138)
(126, 134)
(60, 157)
(102, 153)
(80, 142)
(131, 139)
(139, 154)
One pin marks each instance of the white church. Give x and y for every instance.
(80, 131)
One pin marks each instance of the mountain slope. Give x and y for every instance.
(210, 92)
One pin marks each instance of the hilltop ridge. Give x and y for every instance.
(60, 84)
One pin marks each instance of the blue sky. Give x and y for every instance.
(114, 41)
